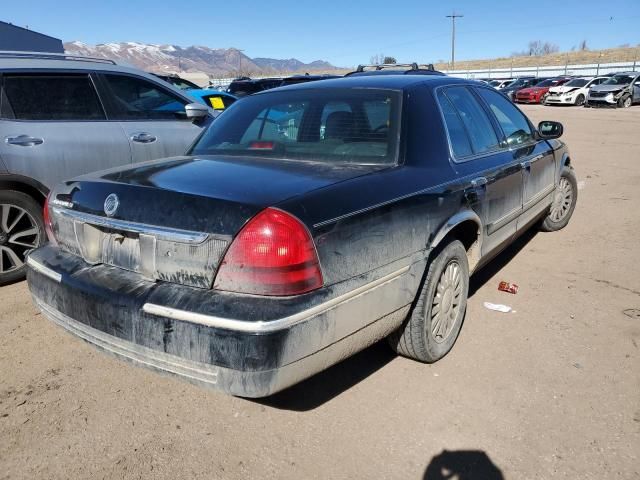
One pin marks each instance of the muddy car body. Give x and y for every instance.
(307, 223)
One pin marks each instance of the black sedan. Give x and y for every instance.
(307, 223)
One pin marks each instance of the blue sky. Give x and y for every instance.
(342, 32)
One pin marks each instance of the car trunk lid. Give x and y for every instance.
(174, 219)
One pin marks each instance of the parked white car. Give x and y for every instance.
(574, 92)
(500, 84)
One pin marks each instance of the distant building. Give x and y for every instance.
(20, 39)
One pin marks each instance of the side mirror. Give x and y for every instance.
(196, 111)
(548, 129)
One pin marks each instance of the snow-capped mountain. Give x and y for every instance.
(172, 58)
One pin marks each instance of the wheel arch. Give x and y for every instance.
(466, 227)
(26, 185)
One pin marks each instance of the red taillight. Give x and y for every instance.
(46, 216)
(272, 255)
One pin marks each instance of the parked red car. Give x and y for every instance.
(538, 93)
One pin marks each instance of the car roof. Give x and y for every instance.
(396, 82)
(23, 61)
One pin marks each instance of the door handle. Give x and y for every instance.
(23, 141)
(143, 137)
(479, 182)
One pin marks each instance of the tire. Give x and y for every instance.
(564, 202)
(543, 100)
(417, 338)
(20, 214)
(625, 101)
(580, 100)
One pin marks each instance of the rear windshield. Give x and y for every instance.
(327, 125)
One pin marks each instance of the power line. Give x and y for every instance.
(453, 17)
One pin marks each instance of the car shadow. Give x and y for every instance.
(324, 386)
(462, 465)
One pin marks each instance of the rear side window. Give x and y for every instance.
(515, 126)
(50, 97)
(457, 133)
(138, 99)
(475, 120)
(324, 125)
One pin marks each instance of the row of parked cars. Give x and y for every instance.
(613, 90)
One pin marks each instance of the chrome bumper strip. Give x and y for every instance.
(162, 233)
(47, 272)
(273, 325)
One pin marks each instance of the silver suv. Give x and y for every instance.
(62, 116)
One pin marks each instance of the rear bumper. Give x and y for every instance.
(242, 345)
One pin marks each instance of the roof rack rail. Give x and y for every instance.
(411, 66)
(54, 56)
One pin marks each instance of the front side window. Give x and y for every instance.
(325, 125)
(138, 99)
(219, 102)
(515, 126)
(50, 97)
(475, 120)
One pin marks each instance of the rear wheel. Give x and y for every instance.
(580, 100)
(434, 324)
(564, 202)
(21, 230)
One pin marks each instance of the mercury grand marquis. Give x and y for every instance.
(306, 223)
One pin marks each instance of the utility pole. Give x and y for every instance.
(239, 61)
(453, 17)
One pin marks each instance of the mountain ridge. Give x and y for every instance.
(167, 58)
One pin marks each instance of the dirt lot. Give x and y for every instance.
(551, 391)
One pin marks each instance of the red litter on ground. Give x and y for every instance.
(508, 287)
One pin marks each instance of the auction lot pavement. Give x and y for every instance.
(551, 391)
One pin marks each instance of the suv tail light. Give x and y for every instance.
(272, 255)
(48, 225)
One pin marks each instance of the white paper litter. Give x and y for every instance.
(497, 307)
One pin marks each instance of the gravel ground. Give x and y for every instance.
(551, 391)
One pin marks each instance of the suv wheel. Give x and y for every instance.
(21, 230)
(435, 321)
(564, 202)
(625, 102)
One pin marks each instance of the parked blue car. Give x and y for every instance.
(215, 99)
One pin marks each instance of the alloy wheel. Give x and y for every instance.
(19, 233)
(446, 304)
(562, 201)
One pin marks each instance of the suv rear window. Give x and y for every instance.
(50, 97)
(327, 125)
